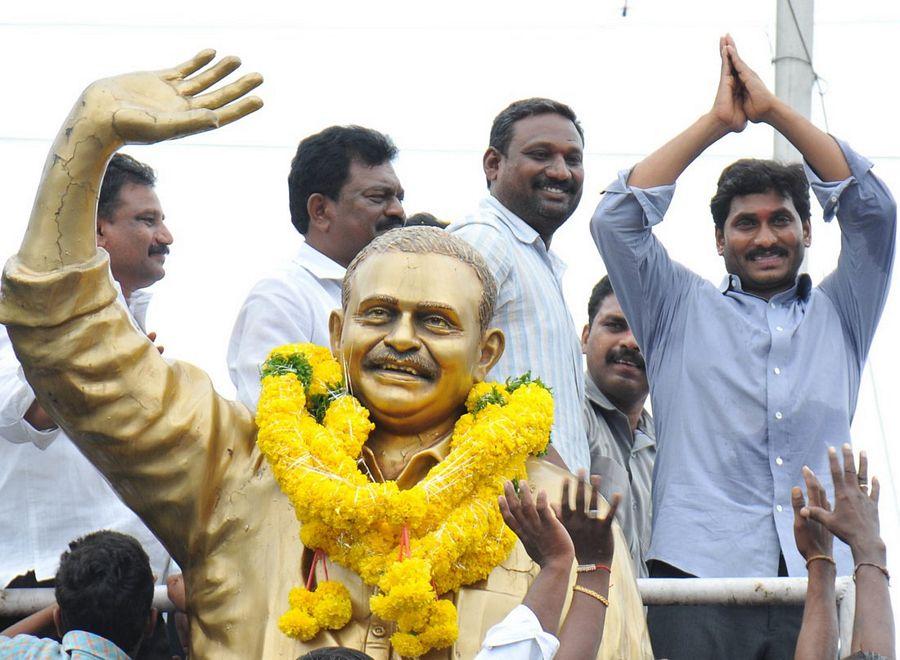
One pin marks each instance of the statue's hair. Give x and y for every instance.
(429, 240)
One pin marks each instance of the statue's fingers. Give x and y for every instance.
(211, 76)
(194, 64)
(228, 93)
(235, 111)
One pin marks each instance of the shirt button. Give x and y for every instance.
(777, 371)
(834, 199)
(778, 508)
(778, 415)
(779, 461)
(378, 631)
(779, 328)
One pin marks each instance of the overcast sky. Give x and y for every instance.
(433, 75)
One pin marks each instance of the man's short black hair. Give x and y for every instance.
(601, 290)
(750, 176)
(322, 164)
(122, 169)
(423, 219)
(502, 128)
(104, 586)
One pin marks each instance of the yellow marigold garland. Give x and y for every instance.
(412, 544)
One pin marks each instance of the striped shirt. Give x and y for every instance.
(532, 312)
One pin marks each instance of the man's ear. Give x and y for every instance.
(492, 344)
(807, 232)
(491, 163)
(57, 621)
(318, 206)
(335, 327)
(720, 241)
(101, 227)
(585, 333)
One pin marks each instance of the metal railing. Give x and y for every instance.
(654, 591)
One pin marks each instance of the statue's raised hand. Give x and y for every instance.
(151, 106)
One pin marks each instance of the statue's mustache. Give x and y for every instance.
(387, 357)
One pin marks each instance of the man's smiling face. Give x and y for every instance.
(541, 176)
(411, 338)
(763, 241)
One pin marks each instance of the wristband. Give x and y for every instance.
(883, 569)
(590, 568)
(822, 557)
(591, 593)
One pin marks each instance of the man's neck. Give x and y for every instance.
(631, 409)
(320, 244)
(394, 450)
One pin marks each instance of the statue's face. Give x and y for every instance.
(411, 340)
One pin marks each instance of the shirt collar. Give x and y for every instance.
(318, 264)
(520, 229)
(417, 467)
(598, 398)
(523, 232)
(91, 645)
(801, 289)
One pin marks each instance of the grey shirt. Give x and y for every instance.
(625, 463)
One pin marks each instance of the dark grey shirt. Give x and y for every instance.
(624, 461)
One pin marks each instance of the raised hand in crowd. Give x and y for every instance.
(854, 520)
(549, 546)
(552, 540)
(592, 536)
(819, 631)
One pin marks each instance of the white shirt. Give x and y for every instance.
(518, 637)
(532, 312)
(49, 493)
(290, 306)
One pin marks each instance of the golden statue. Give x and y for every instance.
(185, 459)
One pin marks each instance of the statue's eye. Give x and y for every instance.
(436, 321)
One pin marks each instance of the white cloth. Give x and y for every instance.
(531, 310)
(290, 306)
(518, 637)
(49, 493)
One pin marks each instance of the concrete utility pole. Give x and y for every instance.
(793, 64)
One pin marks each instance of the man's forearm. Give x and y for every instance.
(873, 621)
(582, 631)
(818, 633)
(666, 164)
(547, 594)
(817, 147)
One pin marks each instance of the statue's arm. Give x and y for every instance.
(157, 430)
(135, 108)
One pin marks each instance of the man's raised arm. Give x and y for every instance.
(727, 115)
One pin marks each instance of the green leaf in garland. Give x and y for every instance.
(296, 364)
(494, 396)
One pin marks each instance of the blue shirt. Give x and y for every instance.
(75, 644)
(532, 312)
(746, 391)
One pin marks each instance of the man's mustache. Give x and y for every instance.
(626, 355)
(766, 252)
(567, 185)
(385, 356)
(159, 249)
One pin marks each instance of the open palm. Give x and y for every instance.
(152, 106)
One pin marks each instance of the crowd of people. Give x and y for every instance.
(750, 382)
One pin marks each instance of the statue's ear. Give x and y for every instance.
(335, 327)
(492, 344)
